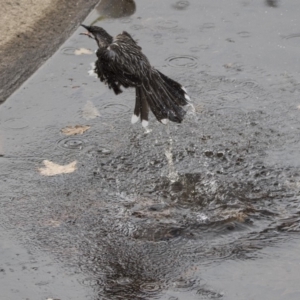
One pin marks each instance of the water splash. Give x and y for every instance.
(173, 174)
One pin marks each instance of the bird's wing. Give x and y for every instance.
(125, 58)
(125, 33)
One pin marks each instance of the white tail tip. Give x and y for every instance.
(134, 119)
(145, 123)
(184, 89)
(187, 97)
(164, 121)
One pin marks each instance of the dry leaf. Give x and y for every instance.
(73, 130)
(52, 169)
(90, 111)
(83, 51)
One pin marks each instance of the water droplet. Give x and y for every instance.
(182, 61)
(71, 143)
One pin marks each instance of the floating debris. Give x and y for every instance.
(52, 169)
(83, 51)
(74, 130)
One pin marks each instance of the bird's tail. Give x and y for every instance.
(164, 96)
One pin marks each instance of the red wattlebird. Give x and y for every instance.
(122, 63)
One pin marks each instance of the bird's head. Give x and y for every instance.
(97, 33)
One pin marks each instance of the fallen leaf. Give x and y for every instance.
(73, 130)
(83, 51)
(90, 111)
(52, 169)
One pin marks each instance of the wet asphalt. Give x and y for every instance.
(208, 209)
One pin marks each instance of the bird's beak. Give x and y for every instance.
(88, 33)
(86, 27)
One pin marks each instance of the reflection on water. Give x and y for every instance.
(116, 8)
(272, 3)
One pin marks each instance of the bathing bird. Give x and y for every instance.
(121, 63)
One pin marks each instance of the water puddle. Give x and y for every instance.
(165, 215)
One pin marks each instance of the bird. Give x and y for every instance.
(121, 63)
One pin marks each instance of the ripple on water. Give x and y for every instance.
(157, 35)
(208, 294)
(181, 40)
(15, 123)
(71, 143)
(150, 288)
(92, 282)
(68, 50)
(292, 36)
(184, 284)
(111, 110)
(126, 229)
(215, 92)
(182, 61)
(233, 95)
(244, 34)
(249, 84)
(292, 39)
(207, 26)
(167, 24)
(158, 38)
(137, 27)
(181, 5)
(126, 20)
(199, 48)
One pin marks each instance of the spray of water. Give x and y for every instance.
(173, 174)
